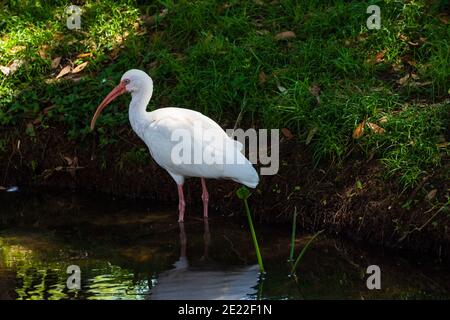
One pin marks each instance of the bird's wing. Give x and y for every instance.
(217, 155)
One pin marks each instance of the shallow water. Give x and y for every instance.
(134, 250)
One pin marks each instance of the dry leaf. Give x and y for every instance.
(359, 130)
(17, 49)
(443, 145)
(402, 81)
(285, 35)
(42, 51)
(375, 128)
(80, 67)
(315, 90)
(402, 37)
(63, 72)
(47, 109)
(311, 134)
(69, 161)
(444, 18)
(262, 77)
(5, 70)
(84, 55)
(432, 194)
(281, 88)
(411, 62)
(287, 133)
(55, 62)
(383, 119)
(379, 56)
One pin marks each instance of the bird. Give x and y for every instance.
(203, 280)
(160, 128)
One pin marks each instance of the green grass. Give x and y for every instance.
(208, 56)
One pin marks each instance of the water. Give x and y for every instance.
(134, 250)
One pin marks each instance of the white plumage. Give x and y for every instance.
(160, 129)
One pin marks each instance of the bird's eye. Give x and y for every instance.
(127, 81)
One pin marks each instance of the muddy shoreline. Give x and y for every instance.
(353, 199)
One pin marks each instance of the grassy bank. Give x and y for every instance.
(321, 80)
(312, 68)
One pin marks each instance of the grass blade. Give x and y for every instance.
(294, 267)
(294, 227)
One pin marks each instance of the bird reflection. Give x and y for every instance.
(200, 283)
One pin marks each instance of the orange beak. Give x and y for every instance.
(117, 91)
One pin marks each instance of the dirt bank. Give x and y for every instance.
(352, 199)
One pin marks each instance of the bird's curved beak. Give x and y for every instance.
(117, 91)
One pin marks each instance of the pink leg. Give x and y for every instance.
(181, 203)
(205, 198)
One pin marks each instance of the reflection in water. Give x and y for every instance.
(127, 251)
(201, 282)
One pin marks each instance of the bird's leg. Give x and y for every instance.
(206, 238)
(205, 198)
(183, 240)
(181, 203)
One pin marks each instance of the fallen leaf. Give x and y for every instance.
(383, 119)
(311, 134)
(375, 128)
(402, 37)
(17, 49)
(55, 62)
(47, 109)
(315, 91)
(5, 70)
(402, 81)
(262, 77)
(69, 161)
(432, 194)
(359, 130)
(281, 88)
(43, 51)
(444, 18)
(285, 35)
(63, 72)
(411, 62)
(443, 145)
(379, 56)
(11, 68)
(84, 55)
(287, 133)
(80, 67)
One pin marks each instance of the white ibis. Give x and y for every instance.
(156, 129)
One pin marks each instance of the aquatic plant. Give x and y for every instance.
(243, 194)
(302, 253)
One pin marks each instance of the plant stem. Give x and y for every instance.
(294, 227)
(303, 251)
(255, 241)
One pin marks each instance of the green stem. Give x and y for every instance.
(294, 267)
(294, 226)
(255, 241)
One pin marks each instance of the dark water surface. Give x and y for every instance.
(134, 250)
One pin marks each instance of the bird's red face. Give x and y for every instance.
(117, 91)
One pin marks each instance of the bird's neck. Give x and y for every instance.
(138, 115)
